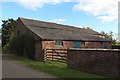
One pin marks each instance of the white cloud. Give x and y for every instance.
(105, 10)
(35, 4)
(57, 20)
(32, 5)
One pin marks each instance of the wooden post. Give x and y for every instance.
(52, 54)
(45, 53)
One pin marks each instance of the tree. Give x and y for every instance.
(7, 29)
(109, 36)
(0, 33)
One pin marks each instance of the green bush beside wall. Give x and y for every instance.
(17, 45)
(28, 45)
(23, 44)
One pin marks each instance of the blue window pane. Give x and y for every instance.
(76, 44)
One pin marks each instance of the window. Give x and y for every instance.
(76, 44)
(59, 43)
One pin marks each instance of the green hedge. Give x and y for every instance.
(29, 45)
(23, 44)
(18, 45)
(14, 45)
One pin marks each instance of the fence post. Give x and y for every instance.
(52, 54)
(44, 51)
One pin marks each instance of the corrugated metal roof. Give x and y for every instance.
(53, 31)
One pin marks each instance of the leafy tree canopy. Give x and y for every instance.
(109, 36)
(7, 29)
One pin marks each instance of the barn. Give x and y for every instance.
(48, 35)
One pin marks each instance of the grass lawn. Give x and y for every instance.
(55, 68)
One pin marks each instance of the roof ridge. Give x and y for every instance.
(51, 22)
(62, 32)
(57, 24)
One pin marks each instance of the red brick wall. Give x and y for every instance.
(69, 44)
(51, 44)
(97, 45)
(100, 61)
(93, 44)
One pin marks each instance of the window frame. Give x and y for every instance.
(76, 42)
(58, 43)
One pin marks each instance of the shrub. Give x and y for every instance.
(17, 45)
(28, 44)
(23, 44)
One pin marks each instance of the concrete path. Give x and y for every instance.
(13, 69)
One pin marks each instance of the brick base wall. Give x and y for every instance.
(104, 62)
(51, 44)
(70, 44)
